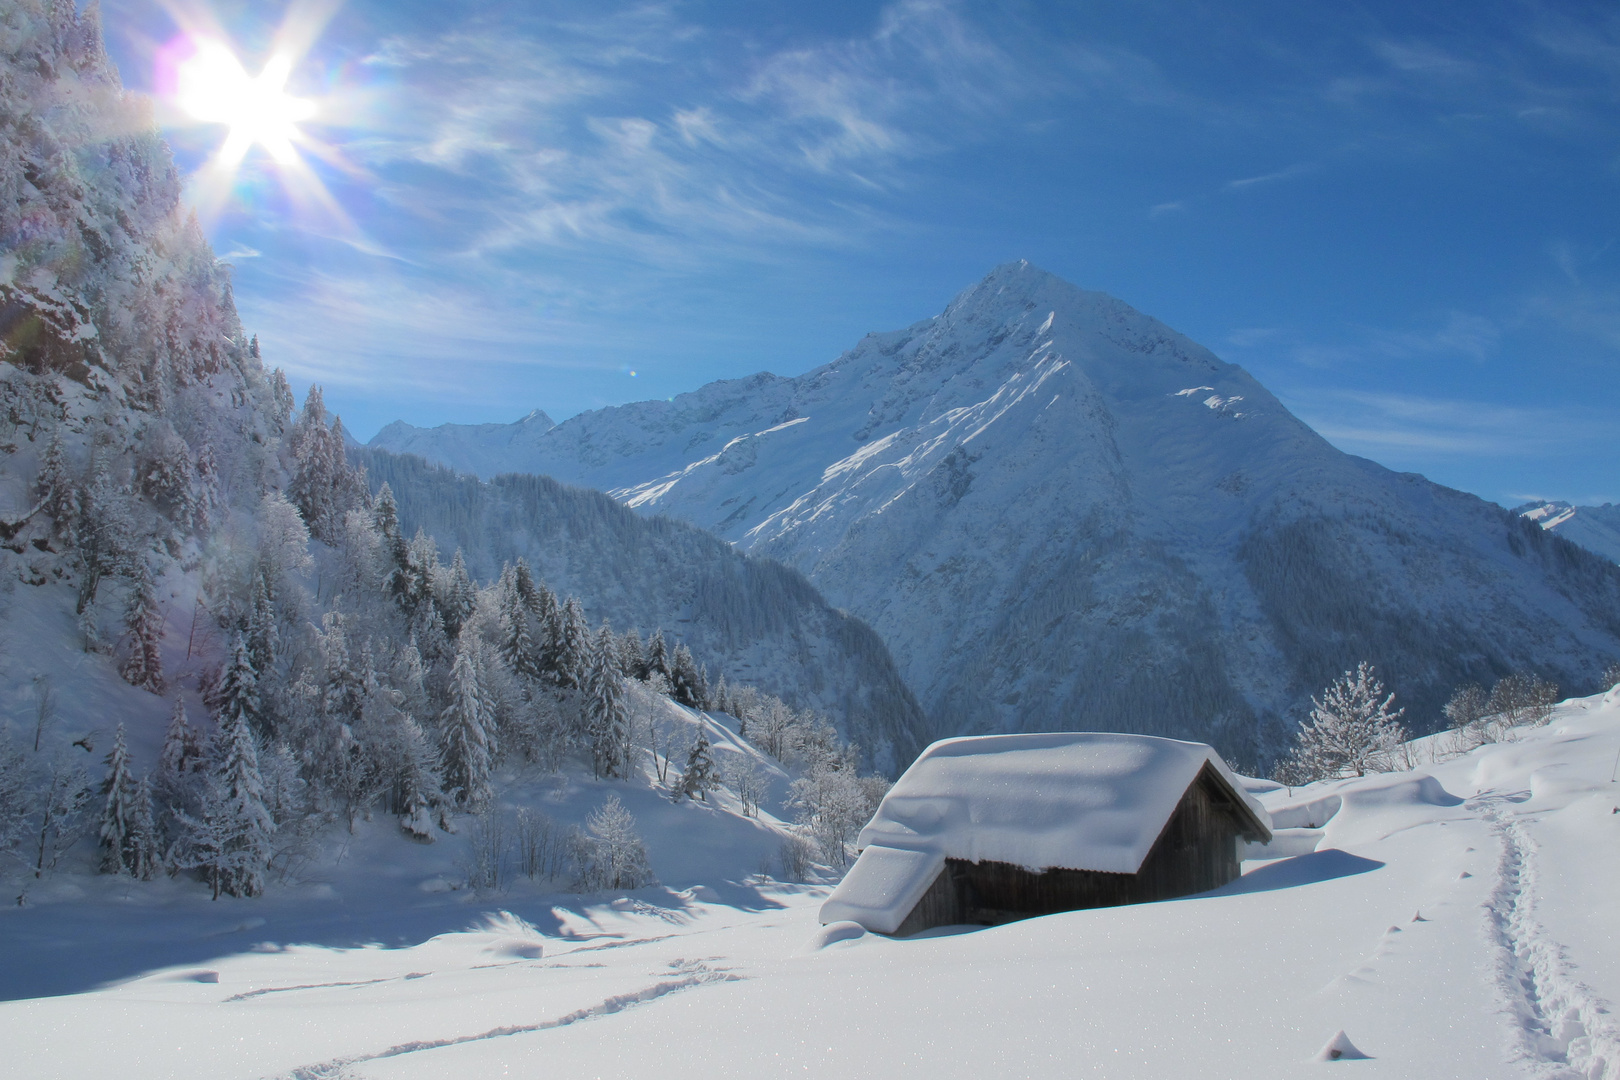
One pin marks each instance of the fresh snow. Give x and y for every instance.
(1456, 922)
(1081, 800)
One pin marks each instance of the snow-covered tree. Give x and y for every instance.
(833, 803)
(573, 646)
(1352, 730)
(698, 778)
(607, 715)
(236, 693)
(58, 491)
(118, 811)
(743, 775)
(143, 843)
(458, 597)
(144, 622)
(182, 747)
(464, 757)
(517, 634)
(229, 839)
(615, 856)
(324, 486)
(658, 655)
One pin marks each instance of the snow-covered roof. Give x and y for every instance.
(1079, 800)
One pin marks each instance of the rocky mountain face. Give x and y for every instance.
(1060, 513)
(1595, 528)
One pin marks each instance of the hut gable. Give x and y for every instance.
(1000, 827)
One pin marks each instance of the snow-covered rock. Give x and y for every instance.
(1059, 512)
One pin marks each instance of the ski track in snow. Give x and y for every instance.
(698, 974)
(1562, 1030)
(246, 994)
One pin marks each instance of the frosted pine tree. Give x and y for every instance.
(607, 715)
(241, 807)
(59, 492)
(263, 635)
(417, 787)
(1352, 730)
(517, 638)
(119, 809)
(182, 748)
(145, 846)
(464, 755)
(658, 655)
(698, 778)
(236, 696)
(573, 654)
(460, 597)
(617, 857)
(144, 622)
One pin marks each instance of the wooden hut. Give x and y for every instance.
(996, 828)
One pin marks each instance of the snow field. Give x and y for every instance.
(1452, 925)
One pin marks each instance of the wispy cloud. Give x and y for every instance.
(1375, 424)
(1292, 172)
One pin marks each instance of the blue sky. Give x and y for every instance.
(1400, 217)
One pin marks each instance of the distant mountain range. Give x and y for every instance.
(1059, 513)
(1595, 528)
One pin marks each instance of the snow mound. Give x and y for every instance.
(833, 934)
(1340, 1048)
(1080, 800)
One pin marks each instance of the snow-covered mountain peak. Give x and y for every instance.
(1058, 512)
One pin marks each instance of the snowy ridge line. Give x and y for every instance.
(1562, 1029)
(336, 1068)
(246, 994)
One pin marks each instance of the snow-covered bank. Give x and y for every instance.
(1457, 921)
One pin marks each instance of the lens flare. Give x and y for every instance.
(212, 86)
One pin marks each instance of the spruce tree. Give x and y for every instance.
(59, 493)
(658, 655)
(460, 597)
(607, 716)
(236, 695)
(182, 748)
(119, 811)
(698, 778)
(263, 636)
(144, 622)
(517, 640)
(144, 844)
(684, 681)
(238, 810)
(465, 751)
(574, 646)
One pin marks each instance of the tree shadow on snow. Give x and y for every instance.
(1300, 870)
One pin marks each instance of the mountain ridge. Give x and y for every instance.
(1059, 512)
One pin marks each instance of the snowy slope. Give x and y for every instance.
(1595, 528)
(752, 620)
(481, 449)
(1454, 923)
(1059, 513)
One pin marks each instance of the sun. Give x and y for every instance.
(213, 87)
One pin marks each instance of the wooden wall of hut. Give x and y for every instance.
(1195, 851)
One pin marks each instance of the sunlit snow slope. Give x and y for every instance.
(1595, 528)
(1056, 510)
(1455, 922)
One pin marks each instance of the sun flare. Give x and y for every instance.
(214, 87)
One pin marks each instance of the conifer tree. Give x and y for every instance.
(658, 655)
(632, 655)
(698, 778)
(460, 597)
(574, 645)
(465, 752)
(230, 838)
(144, 845)
(144, 622)
(517, 640)
(119, 810)
(237, 693)
(264, 636)
(59, 493)
(607, 715)
(182, 748)
(684, 682)
(417, 787)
